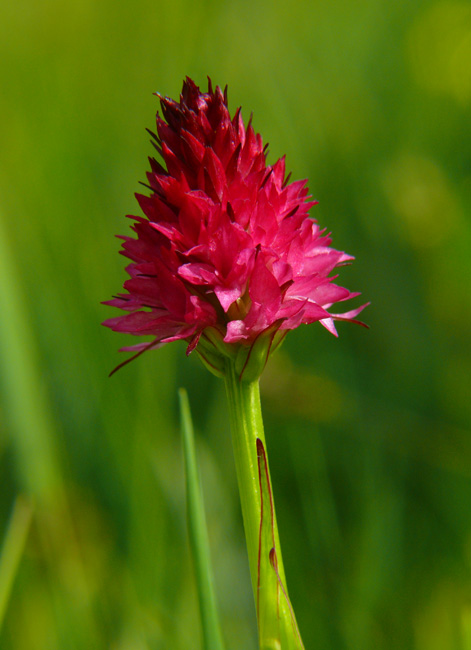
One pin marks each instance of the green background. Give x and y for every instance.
(368, 434)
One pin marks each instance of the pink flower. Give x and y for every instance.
(226, 251)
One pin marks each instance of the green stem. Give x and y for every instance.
(277, 627)
(247, 426)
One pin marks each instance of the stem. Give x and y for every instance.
(247, 426)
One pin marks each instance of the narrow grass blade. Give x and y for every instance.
(12, 550)
(198, 534)
(28, 413)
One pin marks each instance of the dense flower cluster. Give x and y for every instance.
(226, 245)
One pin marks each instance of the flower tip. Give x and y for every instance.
(359, 322)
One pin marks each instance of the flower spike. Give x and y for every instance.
(227, 241)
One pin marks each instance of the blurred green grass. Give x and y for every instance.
(368, 435)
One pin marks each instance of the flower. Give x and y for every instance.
(226, 254)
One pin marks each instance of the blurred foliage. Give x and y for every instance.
(369, 436)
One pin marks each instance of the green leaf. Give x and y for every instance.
(198, 535)
(277, 627)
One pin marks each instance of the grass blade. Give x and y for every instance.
(13, 545)
(198, 534)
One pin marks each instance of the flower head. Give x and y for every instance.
(226, 255)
